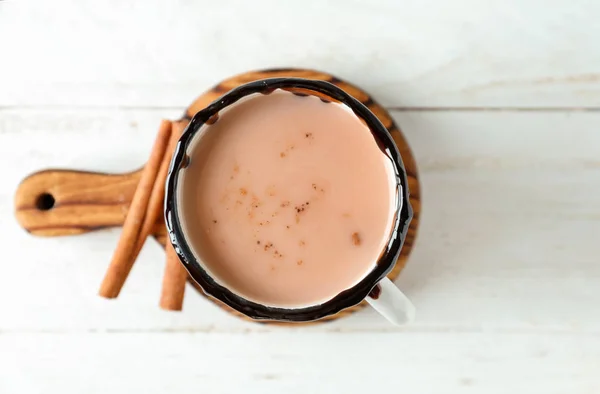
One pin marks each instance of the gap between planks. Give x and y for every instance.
(389, 108)
(264, 329)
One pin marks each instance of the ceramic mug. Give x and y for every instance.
(375, 287)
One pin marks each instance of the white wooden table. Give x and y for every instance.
(500, 101)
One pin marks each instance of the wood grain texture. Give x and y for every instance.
(410, 54)
(74, 193)
(292, 362)
(84, 201)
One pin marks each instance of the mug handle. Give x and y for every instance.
(389, 301)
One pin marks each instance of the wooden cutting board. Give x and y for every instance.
(59, 202)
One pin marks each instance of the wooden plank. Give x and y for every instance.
(514, 53)
(300, 362)
(508, 238)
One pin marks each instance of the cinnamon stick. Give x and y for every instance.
(173, 285)
(157, 196)
(122, 260)
(175, 276)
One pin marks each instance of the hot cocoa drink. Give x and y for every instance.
(288, 200)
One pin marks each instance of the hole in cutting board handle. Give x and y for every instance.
(45, 202)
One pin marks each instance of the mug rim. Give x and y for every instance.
(345, 299)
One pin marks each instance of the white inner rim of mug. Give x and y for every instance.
(395, 209)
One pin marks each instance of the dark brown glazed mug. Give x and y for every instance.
(375, 287)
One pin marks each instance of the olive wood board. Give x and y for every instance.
(58, 202)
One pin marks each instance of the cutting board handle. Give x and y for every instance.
(66, 202)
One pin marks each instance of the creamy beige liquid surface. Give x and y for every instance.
(287, 201)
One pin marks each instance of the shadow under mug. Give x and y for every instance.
(375, 287)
